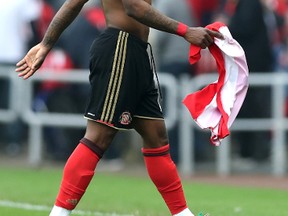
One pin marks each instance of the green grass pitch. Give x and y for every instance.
(30, 192)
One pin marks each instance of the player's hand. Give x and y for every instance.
(32, 61)
(201, 37)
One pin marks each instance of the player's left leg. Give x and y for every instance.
(160, 167)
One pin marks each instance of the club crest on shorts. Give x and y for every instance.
(125, 118)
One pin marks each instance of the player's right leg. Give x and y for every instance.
(160, 167)
(80, 167)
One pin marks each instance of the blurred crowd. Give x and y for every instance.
(260, 26)
(23, 24)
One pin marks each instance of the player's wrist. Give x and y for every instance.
(181, 29)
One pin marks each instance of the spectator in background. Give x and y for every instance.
(281, 8)
(275, 24)
(204, 10)
(55, 4)
(248, 27)
(279, 14)
(41, 24)
(171, 53)
(16, 17)
(16, 32)
(282, 54)
(90, 23)
(53, 96)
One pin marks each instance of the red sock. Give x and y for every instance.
(77, 175)
(163, 173)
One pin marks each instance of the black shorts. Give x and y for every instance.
(122, 81)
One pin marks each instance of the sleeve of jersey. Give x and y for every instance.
(216, 106)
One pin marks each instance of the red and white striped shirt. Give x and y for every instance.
(216, 106)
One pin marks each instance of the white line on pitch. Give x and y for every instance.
(27, 206)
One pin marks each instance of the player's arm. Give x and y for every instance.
(143, 12)
(63, 18)
(37, 54)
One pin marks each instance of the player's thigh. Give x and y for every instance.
(153, 132)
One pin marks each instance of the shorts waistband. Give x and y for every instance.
(111, 30)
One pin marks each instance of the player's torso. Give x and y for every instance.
(117, 18)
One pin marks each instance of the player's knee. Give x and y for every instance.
(100, 135)
(156, 141)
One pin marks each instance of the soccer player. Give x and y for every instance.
(123, 95)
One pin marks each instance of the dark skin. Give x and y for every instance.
(135, 17)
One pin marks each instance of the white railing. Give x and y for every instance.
(21, 93)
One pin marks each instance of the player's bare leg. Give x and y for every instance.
(160, 167)
(100, 134)
(80, 167)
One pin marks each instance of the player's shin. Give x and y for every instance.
(77, 174)
(163, 173)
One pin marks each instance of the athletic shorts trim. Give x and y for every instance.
(107, 124)
(146, 117)
(124, 129)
